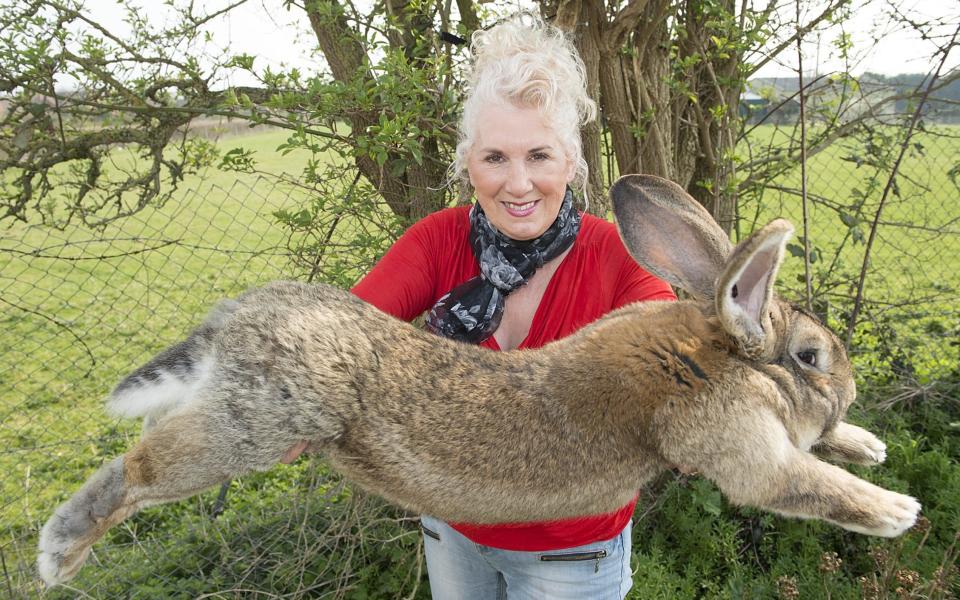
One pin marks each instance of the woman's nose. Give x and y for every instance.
(518, 182)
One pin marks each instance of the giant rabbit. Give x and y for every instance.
(738, 384)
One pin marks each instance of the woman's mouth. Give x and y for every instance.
(521, 210)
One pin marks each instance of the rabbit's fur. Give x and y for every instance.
(720, 384)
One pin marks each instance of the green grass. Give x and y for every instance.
(72, 325)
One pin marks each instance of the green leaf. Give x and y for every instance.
(417, 154)
(707, 497)
(795, 250)
(230, 98)
(849, 220)
(238, 159)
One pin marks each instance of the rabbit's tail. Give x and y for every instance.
(173, 377)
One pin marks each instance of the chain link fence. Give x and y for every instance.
(899, 232)
(80, 309)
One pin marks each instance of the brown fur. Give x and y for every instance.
(465, 434)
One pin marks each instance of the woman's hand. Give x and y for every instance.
(294, 451)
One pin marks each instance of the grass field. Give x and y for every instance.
(79, 310)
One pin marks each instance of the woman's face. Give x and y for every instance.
(518, 169)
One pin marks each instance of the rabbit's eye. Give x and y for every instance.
(808, 357)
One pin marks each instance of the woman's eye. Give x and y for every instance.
(808, 357)
(539, 156)
(493, 158)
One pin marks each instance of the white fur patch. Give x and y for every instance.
(808, 436)
(49, 569)
(51, 546)
(155, 398)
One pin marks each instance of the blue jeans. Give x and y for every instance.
(463, 570)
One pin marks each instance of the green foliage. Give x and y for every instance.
(333, 237)
(907, 324)
(115, 142)
(690, 544)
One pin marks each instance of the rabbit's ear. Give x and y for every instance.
(745, 286)
(669, 233)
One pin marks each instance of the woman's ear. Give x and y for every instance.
(571, 170)
(466, 168)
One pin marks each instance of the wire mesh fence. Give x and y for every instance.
(909, 320)
(82, 308)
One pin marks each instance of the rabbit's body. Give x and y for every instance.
(476, 436)
(373, 412)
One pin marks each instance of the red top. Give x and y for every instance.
(595, 277)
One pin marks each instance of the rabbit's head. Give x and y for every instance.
(675, 238)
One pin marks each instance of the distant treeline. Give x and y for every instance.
(945, 99)
(943, 105)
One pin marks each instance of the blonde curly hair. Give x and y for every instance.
(530, 64)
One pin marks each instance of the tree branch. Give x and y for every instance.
(622, 24)
(800, 32)
(858, 302)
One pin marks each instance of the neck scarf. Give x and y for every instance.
(471, 311)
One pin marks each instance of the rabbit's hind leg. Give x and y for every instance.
(186, 453)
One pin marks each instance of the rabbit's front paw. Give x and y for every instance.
(849, 443)
(873, 449)
(899, 515)
(891, 513)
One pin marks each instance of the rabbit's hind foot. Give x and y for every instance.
(66, 538)
(179, 458)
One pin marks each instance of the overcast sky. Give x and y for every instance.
(280, 37)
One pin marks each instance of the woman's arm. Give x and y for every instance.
(403, 282)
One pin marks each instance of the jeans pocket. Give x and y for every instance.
(429, 532)
(590, 555)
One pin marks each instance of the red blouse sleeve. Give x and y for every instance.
(402, 283)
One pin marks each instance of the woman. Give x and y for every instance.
(519, 269)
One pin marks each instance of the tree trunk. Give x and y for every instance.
(717, 86)
(587, 38)
(658, 118)
(418, 191)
